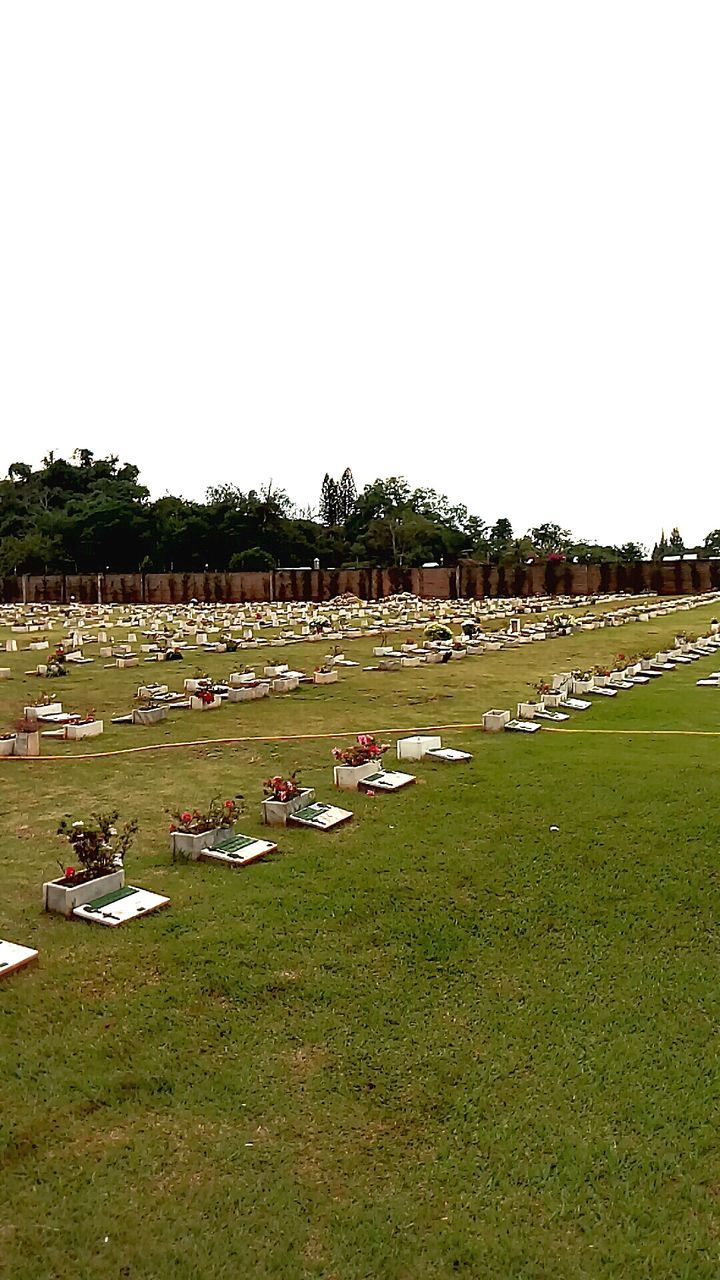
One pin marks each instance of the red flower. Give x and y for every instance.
(186, 817)
(229, 804)
(69, 872)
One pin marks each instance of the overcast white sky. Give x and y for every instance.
(476, 244)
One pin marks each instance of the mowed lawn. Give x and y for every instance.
(445, 1040)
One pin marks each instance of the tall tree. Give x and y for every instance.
(346, 496)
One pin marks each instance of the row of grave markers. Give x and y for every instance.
(110, 902)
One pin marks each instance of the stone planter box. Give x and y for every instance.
(526, 710)
(383, 650)
(191, 846)
(151, 690)
(601, 681)
(561, 681)
(149, 715)
(5, 673)
(408, 661)
(7, 746)
(285, 684)
(93, 729)
(27, 744)
(197, 704)
(553, 699)
(582, 686)
(456, 654)
(130, 661)
(237, 681)
(347, 777)
(494, 721)
(325, 677)
(249, 693)
(275, 671)
(433, 656)
(65, 898)
(275, 813)
(416, 748)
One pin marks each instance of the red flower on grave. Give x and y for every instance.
(69, 872)
(229, 804)
(186, 817)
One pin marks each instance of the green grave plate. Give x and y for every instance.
(235, 845)
(109, 898)
(312, 812)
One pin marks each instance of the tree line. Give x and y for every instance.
(88, 515)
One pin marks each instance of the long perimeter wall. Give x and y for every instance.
(469, 579)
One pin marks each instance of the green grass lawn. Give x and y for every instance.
(442, 1041)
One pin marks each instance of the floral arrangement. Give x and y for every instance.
(365, 750)
(24, 724)
(281, 789)
(97, 846)
(172, 655)
(326, 668)
(601, 671)
(541, 688)
(219, 813)
(88, 718)
(204, 695)
(436, 631)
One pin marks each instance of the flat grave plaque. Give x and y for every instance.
(321, 817)
(448, 754)
(523, 726)
(604, 692)
(576, 704)
(14, 957)
(119, 907)
(238, 851)
(554, 716)
(386, 780)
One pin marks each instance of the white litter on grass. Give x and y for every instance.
(554, 828)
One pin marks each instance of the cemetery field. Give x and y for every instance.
(445, 1040)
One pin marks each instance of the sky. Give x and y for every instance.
(476, 244)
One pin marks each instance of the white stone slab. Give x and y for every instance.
(448, 754)
(555, 717)
(417, 747)
(523, 726)
(386, 780)
(605, 692)
(321, 817)
(576, 704)
(14, 957)
(122, 907)
(237, 851)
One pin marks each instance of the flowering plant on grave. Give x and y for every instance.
(97, 845)
(541, 688)
(24, 724)
(281, 789)
(88, 718)
(205, 696)
(437, 631)
(599, 670)
(365, 750)
(326, 667)
(219, 813)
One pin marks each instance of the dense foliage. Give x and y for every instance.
(93, 514)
